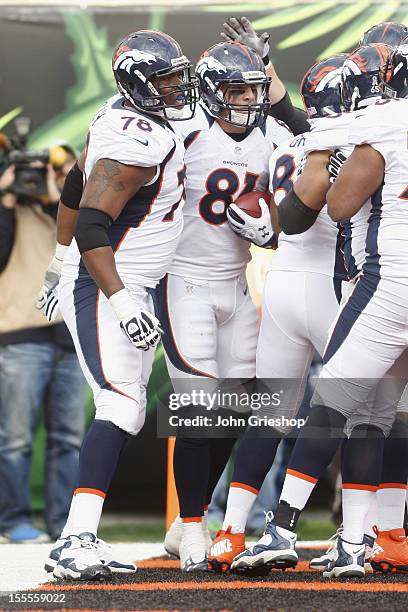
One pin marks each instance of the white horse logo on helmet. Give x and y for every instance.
(209, 63)
(126, 60)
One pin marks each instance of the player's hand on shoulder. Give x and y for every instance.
(336, 160)
(139, 325)
(241, 30)
(257, 230)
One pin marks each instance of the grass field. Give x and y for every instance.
(153, 531)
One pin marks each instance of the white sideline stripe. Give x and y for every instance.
(22, 565)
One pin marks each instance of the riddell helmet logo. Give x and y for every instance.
(126, 60)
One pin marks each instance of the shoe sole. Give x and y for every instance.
(49, 568)
(272, 559)
(121, 570)
(320, 566)
(93, 573)
(172, 553)
(355, 571)
(387, 567)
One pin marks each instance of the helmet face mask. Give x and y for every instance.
(320, 87)
(395, 73)
(141, 61)
(224, 71)
(361, 76)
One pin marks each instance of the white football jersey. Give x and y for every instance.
(333, 133)
(384, 126)
(314, 250)
(145, 234)
(219, 168)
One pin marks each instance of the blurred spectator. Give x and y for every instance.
(38, 363)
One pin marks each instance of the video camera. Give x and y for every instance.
(30, 179)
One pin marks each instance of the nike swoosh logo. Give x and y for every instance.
(142, 141)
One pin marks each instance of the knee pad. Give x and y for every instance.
(124, 412)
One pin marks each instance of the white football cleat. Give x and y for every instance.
(173, 536)
(275, 550)
(322, 563)
(105, 554)
(348, 562)
(79, 560)
(193, 548)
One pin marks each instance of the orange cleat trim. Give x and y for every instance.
(224, 549)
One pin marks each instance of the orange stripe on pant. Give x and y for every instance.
(241, 485)
(359, 487)
(301, 476)
(91, 492)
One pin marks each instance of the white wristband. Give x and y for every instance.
(122, 304)
(60, 251)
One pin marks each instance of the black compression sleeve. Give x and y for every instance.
(72, 191)
(91, 229)
(295, 217)
(7, 234)
(295, 118)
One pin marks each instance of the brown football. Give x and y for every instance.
(249, 202)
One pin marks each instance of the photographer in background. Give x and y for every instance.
(38, 363)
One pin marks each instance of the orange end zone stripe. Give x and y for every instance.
(301, 476)
(302, 566)
(359, 487)
(241, 485)
(192, 519)
(91, 492)
(392, 485)
(368, 587)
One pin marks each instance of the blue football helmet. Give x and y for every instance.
(230, 64)
(320, 87)
(389, 33)
(138, 63)
(362, 75)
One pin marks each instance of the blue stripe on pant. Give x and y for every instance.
(85, 302)
(366, 285)
(163, 314)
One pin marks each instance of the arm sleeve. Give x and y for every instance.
(7, 234)
(295, 118)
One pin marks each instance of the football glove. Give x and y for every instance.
(257, 230)
(47, 299)
(241, 31)
(139, 325)
(336, 160)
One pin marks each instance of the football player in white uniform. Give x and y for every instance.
(127, 229)
(300, 302)
(205, 308)
(368, 336)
